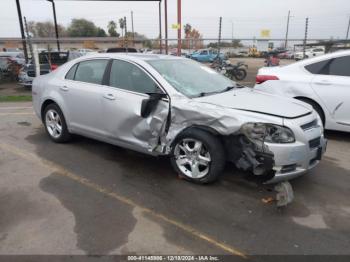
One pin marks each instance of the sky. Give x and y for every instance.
(241, 18)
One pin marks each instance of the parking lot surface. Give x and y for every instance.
(88, 197)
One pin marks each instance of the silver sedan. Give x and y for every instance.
(165, 105)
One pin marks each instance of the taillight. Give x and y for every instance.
(53, 67)
(262, 78)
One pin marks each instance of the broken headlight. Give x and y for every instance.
(269, 133)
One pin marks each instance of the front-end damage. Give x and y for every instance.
(245, 153)
(249, 155)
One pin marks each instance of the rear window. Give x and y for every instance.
(339, 66)
(319, 68)
(91, 71)
(121, 50)
(71, 73)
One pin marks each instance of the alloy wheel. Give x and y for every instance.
(53, 123)
(192, 158)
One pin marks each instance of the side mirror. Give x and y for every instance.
(150, 103)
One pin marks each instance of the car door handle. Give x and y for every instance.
(324, 83)
(109, 96)
(64, 88)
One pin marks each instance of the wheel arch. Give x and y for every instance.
(44, 105)
(207, 129)
(312, 101)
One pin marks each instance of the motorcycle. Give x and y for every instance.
(237, 71)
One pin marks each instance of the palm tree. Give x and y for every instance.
(112, 28)
(122, 25)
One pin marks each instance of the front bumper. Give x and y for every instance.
(294, 160)
(24, 79)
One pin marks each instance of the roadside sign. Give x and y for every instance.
(265, 33)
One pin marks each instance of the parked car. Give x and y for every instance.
(18, 57)
(206, 55)
(286, 55)
(85, 51)
(49, 61)
(166, 105)
(309, 53)
(322, 82)
(243, 54)
(10, 64)
(122, 50)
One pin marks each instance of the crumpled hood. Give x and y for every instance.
(255, 101)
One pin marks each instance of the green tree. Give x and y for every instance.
(45, 29)
(112, 29)
(193, 38)
(101, 32)
(82, 28)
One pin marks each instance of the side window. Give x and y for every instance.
(204, 52)
(71, 73)
(319, 68)
(127, 76)
(340, 66)
(91, 71)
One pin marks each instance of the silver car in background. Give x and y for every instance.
(166, 105)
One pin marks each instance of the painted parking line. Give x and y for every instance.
(16, 113)
(15, 108)
(59, 170)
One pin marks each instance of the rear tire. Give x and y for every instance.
(55, 124)
(240, 74)
(198, 156)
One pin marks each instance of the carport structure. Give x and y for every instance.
(160, 21)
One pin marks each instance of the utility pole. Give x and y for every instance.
(55, 20)
(125, 35)
(305, 38)
(160, 27)
(347, 32)
(179, 27)
(220, 21)
(22, 30)
(232, 30)
(166, 25)
(132, 27)
(286, 41)
(31, 48)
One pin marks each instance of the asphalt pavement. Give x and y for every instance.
(88, 197)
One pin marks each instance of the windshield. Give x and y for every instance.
(191, 78)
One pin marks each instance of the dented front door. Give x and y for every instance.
(122, 101)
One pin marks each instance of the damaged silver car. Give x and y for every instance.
(166, 105)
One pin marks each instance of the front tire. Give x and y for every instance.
(55, 124)
(198, 156)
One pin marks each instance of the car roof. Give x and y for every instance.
(318, 58)
(132, 56)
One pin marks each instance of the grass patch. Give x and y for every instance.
(21, 98)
